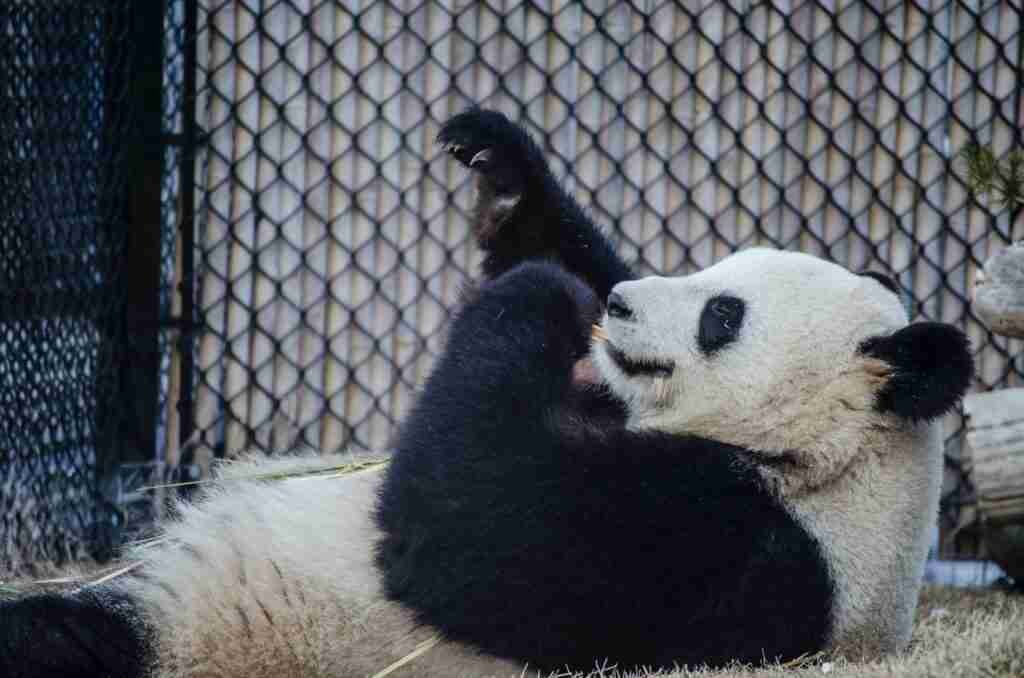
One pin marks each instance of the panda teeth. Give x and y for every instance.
(639, 367)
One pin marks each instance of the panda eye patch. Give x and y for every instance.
(720, 323)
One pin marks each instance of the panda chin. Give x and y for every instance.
(639, 367)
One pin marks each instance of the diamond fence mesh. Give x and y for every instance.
(331, 234)
(313, 239)
(63, 229)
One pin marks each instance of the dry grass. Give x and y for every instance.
(965, 633)
(959, 633)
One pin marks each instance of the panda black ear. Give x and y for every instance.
(931, 368)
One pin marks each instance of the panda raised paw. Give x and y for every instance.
(489, 143)
(521, 211)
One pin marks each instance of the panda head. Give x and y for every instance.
(772, 350)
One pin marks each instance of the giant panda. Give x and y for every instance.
(740, 465)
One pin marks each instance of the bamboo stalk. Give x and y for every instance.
(407, 175)
(378, 138)
(905, 140)
(428, 255)
(687, 165)
(651, 224)
(361, 390)
(747, 172)
(755, 135)
(594, 169)
(492, 50)
(789, 52)
(809, 137)
(242, 228)
(312, 412)
(215, 236)
(707, 129)
(458, 240)
(725, 20)
(957, 207)
(971, 107)
(418, 186)
(567, 81)
(264, 306)
(171, 453)
(434, 255)
(929, 224)
(293, 157)
(834, 110)
(200, 163)
(167, 447)
(766, 82)
(883, 52)
(621, 195)
(861, 25)
(333, 429)
(666, 24)
(350, 287)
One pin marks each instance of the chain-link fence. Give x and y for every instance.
(331, 234)
(319, 238)
(63, 195)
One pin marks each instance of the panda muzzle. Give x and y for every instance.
(639, 367)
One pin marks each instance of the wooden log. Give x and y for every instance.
(995, 447)
(995, 450)
(999, 292)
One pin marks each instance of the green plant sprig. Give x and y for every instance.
(1001, 181)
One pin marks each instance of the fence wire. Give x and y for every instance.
(331, 235)
(63, 109)
(314, 239)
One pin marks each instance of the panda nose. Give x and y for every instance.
(617, 307)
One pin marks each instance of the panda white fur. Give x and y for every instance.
(753, 476)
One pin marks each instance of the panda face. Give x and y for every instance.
(764, 331)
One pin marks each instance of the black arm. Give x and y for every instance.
(510, 350)
(522, 211)
(512, 522)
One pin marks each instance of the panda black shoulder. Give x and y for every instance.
(643, 549)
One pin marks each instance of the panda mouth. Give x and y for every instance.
(639, 367)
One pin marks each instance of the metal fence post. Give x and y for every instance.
(139, 377)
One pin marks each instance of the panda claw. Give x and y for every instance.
(491, 145)
(480, 157)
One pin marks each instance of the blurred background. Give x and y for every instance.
(225, 226)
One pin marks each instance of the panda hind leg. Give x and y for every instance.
(90, 634)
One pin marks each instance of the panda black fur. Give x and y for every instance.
(528, 519)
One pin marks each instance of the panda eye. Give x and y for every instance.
(723, 310)
(720, 323)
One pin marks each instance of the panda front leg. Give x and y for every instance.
(522, 212)
(89, 634)
(510, 353)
